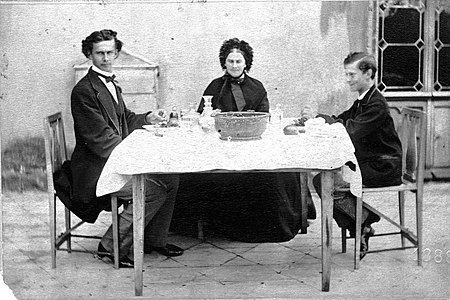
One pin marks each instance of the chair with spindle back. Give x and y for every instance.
(55, 156)
(412, 132)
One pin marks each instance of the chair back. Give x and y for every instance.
(55, 146)
(413, 134)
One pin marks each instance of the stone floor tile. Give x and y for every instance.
(220, 268)
(239, 261)
(289, 289)
(243, 273)
(204, 255)
(268, 254)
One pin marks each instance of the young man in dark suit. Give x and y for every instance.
(101, 122)
(377, 145)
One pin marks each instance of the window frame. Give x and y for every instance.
(428, 66)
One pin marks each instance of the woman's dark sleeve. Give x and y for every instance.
(263, 105)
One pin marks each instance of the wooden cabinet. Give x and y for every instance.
(438, 130)
(411, 40)
(440, 137)
(137, 77)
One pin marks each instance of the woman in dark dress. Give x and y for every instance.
(251, 207)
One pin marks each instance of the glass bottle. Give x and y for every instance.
(206, 119)
(276, 115)
(173, 118)
(189, 120)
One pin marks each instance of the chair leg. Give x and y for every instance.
(52, 216)
(358, 221)
(401, 212)
(200, 225)
(303, 202)
(344, 239)
(115, 225)
(68, 228)
(419, 221)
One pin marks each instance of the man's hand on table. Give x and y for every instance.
(156, 117)
(308, 112)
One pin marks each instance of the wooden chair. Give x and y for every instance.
(412, 133)
(55, 155)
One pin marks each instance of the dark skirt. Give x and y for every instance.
(249, 207)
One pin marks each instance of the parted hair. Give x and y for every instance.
(366, 61)
(240, 45)
(99, 36)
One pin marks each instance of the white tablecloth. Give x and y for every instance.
(180, 151)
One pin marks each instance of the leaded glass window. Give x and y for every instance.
(401, 45)
(413, 45)
(442, 47)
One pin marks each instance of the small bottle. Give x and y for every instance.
(207, 108)
(173, 118)
(206, 119)
(192, 110)
(193, 115)
(276, 115)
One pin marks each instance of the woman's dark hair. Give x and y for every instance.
(240, 45)
(99, 36)
(366, 62)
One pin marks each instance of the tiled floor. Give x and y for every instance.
(222, 269)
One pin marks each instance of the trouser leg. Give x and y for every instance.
(125, 221)
(344, 210)
(157, 230)
(158, 189)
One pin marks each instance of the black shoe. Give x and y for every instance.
(102, 252)
(169, 250)
(366, 232)
(124, 262)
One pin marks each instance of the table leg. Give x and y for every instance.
(304, 204)
(327, 180)
(138, 231)
(358, 220)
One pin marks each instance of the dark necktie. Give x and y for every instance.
(108, 78)
(237, 93)
(358, 106)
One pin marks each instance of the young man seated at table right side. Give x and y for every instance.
(377, 146)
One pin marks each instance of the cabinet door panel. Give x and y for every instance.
(441, 138)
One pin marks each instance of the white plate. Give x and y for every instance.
(151, 128)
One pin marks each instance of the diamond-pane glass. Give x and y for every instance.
(444, 27)
(402, 25)
(442, 48)
(381, 87)
(401, 45)
(444, 67)
(401, 66)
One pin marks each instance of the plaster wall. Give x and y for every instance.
(298, 47)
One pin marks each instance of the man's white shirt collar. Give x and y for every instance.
(109, 85)
(360, 97)
(96, 69)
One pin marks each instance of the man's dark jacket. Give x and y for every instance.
(100, 125)
(377, 145)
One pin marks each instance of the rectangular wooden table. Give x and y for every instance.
(182, 151)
